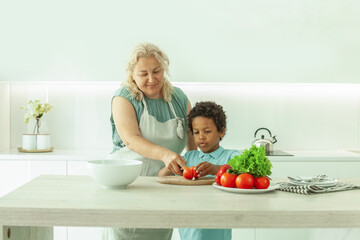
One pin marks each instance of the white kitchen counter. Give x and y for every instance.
(57, 155)
(97, 154)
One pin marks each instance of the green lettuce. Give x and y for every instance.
(253, 161)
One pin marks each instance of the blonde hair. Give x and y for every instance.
(148, 50)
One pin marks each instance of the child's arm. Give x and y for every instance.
(206, 168)
(165, 172)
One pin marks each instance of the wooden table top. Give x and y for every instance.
(79, 201)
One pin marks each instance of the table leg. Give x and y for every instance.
(26, 233)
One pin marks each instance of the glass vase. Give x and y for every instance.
(37, 126)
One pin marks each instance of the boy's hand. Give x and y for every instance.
(206, 168)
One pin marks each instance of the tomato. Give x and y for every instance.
(262, 182)
(228, 180)
(190, 173)
(187, 173)
(221, 171)
(245, 180)
(218, 179)
(194, 172)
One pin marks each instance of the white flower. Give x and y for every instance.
(35, 109)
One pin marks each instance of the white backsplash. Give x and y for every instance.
(4, 115)
(302, 116)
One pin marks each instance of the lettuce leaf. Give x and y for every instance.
(253, 161)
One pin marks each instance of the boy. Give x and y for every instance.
(207, 122)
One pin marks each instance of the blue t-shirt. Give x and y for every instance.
(218, 157)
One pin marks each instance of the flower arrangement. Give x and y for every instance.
(35, 109)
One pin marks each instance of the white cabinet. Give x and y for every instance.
(13, 174)
(78, 168)
(77, 233)
(308, 234)
(37, 168)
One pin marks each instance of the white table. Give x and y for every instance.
(78, 201)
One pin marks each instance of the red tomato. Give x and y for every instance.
(245, 180)
(262, 182)
(221, 171)
(218, 179)
(188, 173)
(195, 174)
(228, 180)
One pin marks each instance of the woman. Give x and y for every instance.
(149, 123)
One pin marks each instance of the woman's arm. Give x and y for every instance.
(165, 172)
(191, 144)
(127, 126)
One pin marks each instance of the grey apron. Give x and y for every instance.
(170, 134)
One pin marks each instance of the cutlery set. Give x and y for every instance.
(318, 178)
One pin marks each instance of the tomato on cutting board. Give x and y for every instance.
(187, 173)
(262, 182)
(245, 180)
(190, 173)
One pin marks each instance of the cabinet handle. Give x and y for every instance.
(8, 233)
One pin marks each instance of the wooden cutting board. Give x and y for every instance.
(180, 180)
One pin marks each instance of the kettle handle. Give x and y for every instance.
(262, 129)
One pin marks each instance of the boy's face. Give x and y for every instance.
(206, 135)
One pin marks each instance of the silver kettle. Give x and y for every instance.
(267, 143)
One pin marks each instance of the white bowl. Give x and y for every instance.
(114, 173)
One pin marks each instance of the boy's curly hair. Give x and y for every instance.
(210, 110)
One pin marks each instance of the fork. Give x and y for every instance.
(296, 179)
(317, 178)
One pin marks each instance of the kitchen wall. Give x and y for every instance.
(299, 41)
(4, 115)
(302, 116)
(288, 65)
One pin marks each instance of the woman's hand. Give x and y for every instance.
(206, 168)
(175, 163)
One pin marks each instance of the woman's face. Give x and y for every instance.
(206, 135)
(148, 75)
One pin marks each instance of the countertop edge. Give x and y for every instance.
(100, 154)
